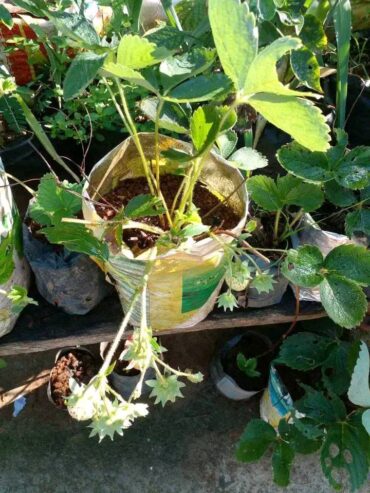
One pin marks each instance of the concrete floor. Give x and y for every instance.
(186, 447)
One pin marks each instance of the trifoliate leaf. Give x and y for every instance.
(344, 301)
(351, 262)
(55, 201)
(255, 440)
(359, 391)
(165, 389)
(227, 301)
(302, 266)
(263, 283)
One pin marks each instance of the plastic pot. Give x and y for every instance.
(225, 383)
(68, 280)
(125, 384)
(60, 354)
(14, 270)
(254, 299)
(183, 282)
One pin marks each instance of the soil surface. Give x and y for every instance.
(263, 235)
(251, 346)
(331, 218)
(78, 365)
(203, 199)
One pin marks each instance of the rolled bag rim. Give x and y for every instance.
(201, 249)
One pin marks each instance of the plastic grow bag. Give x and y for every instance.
(14, 270)
(184, 282)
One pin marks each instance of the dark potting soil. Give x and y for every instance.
(331, 218)
(78, 365)
(203, 199)
(263, 235)
(251, 347)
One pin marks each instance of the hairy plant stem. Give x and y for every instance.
(121, 330)
(21, 183)
(156, 136)
(276, 227)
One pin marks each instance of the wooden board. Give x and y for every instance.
(46, 327)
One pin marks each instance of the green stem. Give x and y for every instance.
(276, 227)
(121, 331)
(156, 134)
(135, 136)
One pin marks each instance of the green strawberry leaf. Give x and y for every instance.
(282, 460)
(338, 195)
(136, 53)
(358, 222)
(143, 205)
(342, 451)
(236, 40)
(77, 238)
(353, 171)
(312, 33)
(351, 262)
(264, 193)
(311, 166)
(248, 159)
(306, 68)
(302, 266)
(304, 351)
(344, 301)
(359, 391)
(255, 440)
(173, 117)
(296, 116)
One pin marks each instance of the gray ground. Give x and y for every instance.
(184, 448)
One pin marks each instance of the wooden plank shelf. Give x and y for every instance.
(45, 327)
